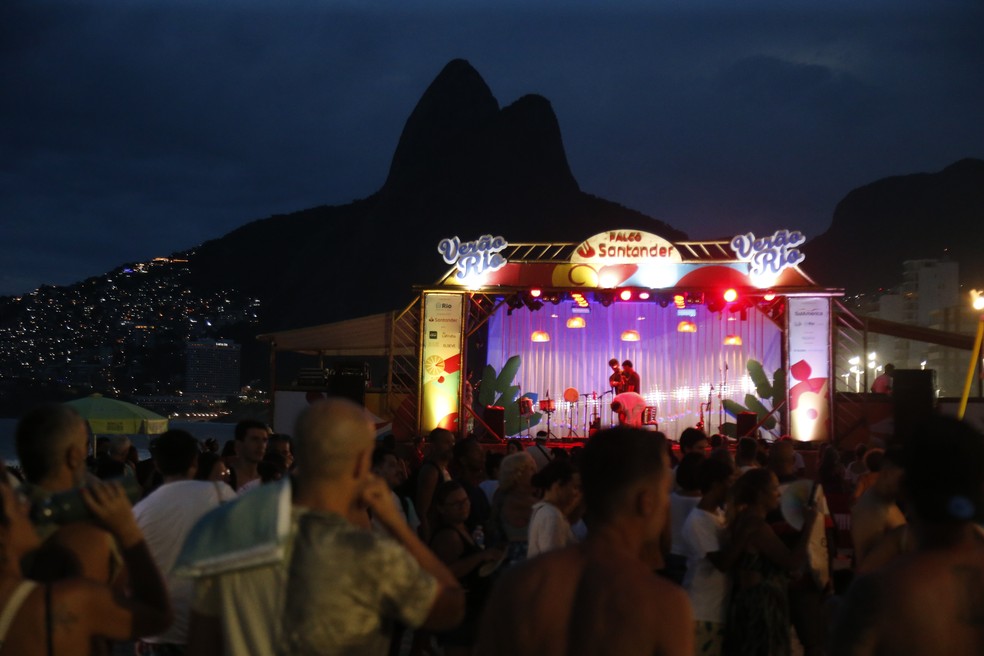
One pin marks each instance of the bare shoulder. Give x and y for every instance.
(639, 612)
(922, 603)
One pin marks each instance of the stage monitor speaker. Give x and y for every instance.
(745, 424)
(495, 417)
(913, 399)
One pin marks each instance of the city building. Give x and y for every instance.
(212, 369)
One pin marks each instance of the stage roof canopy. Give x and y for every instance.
(365, 336)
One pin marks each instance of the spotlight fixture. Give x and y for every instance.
(630, 335)
(625, 294)
(540, 336)
(695, 298)
(553, 297)
(604, 297)
(576, 322)
(535, 293)
(514, 302)
(732, 340)
(531, 302)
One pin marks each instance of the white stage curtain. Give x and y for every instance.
(678, 370)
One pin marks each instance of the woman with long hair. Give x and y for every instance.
(759, 622)
(455, 546)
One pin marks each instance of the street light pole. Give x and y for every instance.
(977, 301)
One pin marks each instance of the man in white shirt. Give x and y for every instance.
(629, 406)
(166, 516)
(706, 579)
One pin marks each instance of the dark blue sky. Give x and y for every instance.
(135, 128)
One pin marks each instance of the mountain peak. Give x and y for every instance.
(459, 152)
(457, 102)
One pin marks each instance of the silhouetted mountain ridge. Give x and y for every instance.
(877, 227)
(462, 166)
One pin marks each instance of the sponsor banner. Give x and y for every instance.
(625, 247)
(809, 368)
(440, 371)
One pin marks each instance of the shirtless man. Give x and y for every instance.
(929, 601)
(601, 596)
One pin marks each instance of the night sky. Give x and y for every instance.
(134, 128)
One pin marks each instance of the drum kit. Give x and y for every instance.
(573, 398)
(547, 406)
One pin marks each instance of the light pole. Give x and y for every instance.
(977, 302)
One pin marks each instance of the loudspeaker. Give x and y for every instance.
(349, 387)
(495, 417)
(745, 424)
(913, 399)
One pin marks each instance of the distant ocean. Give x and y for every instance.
(200, 429)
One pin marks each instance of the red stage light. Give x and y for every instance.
(626, 295)
(730, 295)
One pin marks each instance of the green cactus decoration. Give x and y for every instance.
(774, 392)
(498, 389)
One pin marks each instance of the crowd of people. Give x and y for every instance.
(330, 541)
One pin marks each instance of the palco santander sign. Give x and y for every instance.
(625, 247)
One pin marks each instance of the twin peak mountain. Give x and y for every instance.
(464, 166)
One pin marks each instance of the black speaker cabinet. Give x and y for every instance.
(745, 424)
(495, 417)
(349, 387)
(913, 399)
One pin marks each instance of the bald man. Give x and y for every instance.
(601, 596)
(342, 586)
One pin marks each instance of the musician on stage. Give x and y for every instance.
(615, 380)
(630, 379)
(630, 407)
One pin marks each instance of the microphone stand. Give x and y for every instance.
(720, 403)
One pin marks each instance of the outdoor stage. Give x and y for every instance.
(714, 329)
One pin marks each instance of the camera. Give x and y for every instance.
(65, 507)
